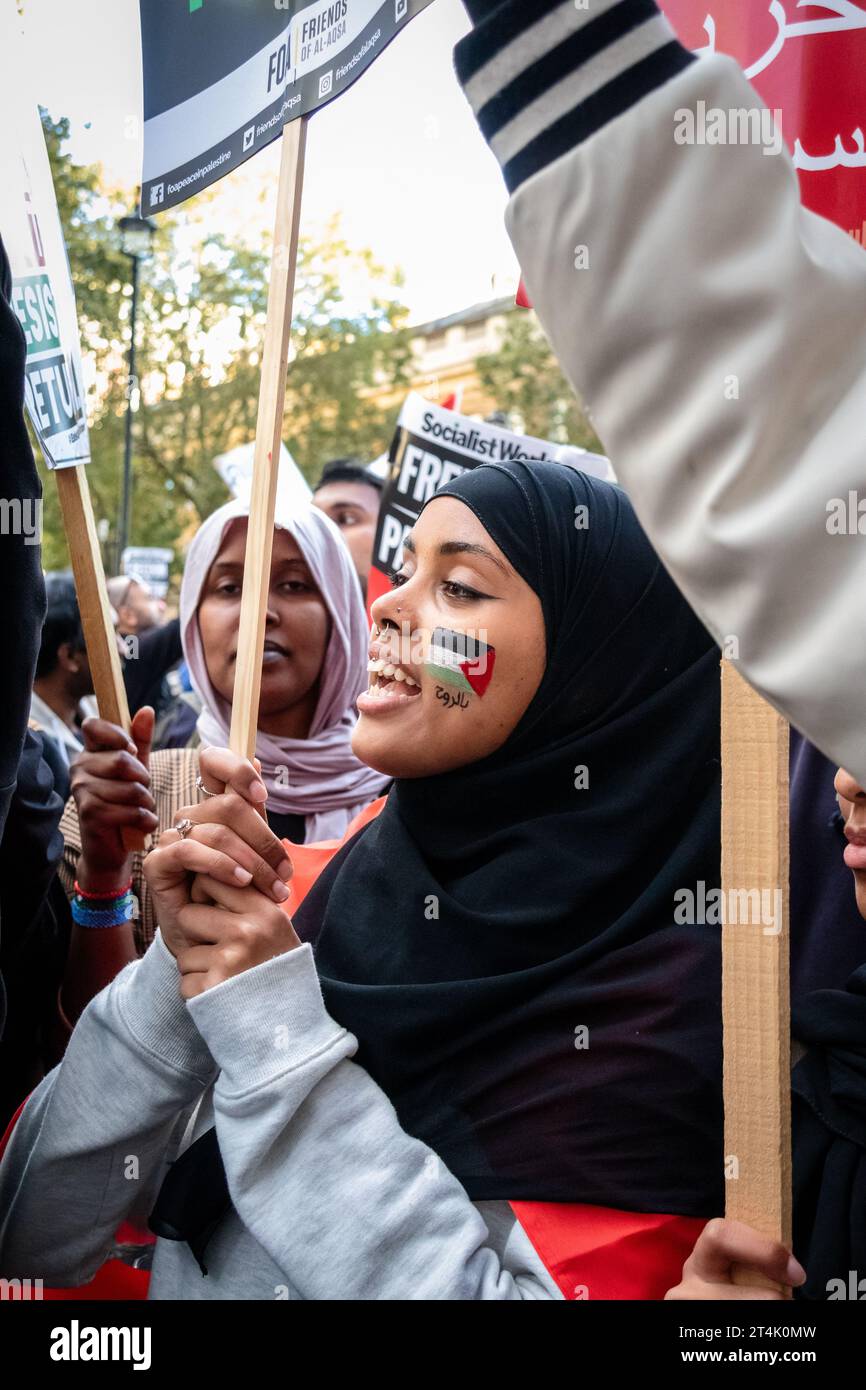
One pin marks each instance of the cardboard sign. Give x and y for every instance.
(806, 61)
(221, 79)
(42, 293)
(236, 470)
(152, 563)
(431, 447)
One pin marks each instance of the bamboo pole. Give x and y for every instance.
(269, 425)
(102, 652)
(755, 962)
(96, 623)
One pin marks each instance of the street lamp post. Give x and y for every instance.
(136, 237)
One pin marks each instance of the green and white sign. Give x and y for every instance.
(42, 293)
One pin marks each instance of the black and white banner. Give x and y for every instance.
(431, 447)
(222, 78)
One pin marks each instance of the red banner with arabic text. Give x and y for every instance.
(809, 62)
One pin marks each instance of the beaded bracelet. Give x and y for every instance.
(112, 893)
(103, 910)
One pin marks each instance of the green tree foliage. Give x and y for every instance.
(202, 309)
(99, 273)
(525, 380)
(206, 407)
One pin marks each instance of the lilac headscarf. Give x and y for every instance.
(326, 782)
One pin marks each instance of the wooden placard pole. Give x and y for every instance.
(80, 526)
(102, 652)
(269, 429)
(755, 962)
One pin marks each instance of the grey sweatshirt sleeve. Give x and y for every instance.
(90, 1147)
(346, 1203)
(714, 327)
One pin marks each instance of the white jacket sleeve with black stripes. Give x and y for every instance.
(715, 329)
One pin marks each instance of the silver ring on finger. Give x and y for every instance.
(205, 791)
(183, 827)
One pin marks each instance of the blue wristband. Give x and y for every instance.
(114, 914)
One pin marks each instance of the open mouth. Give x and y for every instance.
(386, 678)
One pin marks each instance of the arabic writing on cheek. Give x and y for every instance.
(450, 698)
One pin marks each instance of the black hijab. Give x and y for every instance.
(502, 942)
(489, 915)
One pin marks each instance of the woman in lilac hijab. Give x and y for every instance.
(313, 774)
(314, 667)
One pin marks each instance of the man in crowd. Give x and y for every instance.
(63, 676)
(350, 495)
(136, 605)
(151, 647)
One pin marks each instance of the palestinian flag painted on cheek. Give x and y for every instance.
(459, 660)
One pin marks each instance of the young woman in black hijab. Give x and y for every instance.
(552, 862)
(502, 940)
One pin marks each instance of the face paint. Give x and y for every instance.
(452, 698)
(459, 660)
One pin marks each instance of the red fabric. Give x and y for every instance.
(114, 1282)
(308, 861)
(599, 1253)
(807, 62)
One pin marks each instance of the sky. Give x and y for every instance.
(399, 156)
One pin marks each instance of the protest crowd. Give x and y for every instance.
(414, 981)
